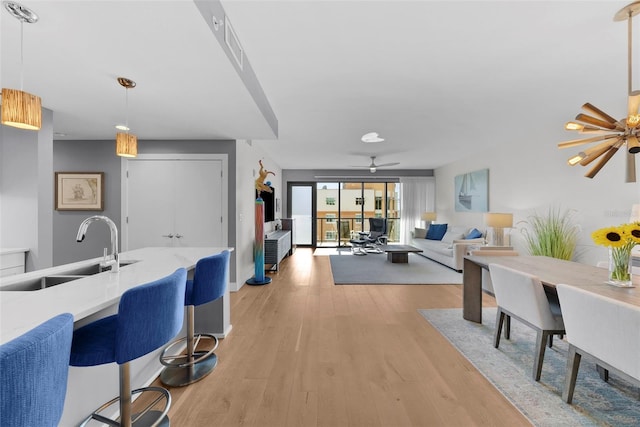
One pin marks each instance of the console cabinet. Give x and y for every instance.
(276, 246)
(290, 224)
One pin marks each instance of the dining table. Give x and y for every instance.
(550, 271)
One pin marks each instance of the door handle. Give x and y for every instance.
(179, 236)
(168, 235)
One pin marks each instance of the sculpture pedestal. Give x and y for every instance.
(258, 249)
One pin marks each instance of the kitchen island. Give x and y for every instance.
(90, 294)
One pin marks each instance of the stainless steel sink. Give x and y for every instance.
(58, 279)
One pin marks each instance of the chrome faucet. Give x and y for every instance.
(82, 231)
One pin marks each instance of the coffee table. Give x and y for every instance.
(399, 254)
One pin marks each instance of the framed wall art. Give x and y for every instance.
(79, 191)
(472, 191)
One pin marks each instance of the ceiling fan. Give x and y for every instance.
(373, 167)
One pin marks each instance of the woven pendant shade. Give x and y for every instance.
(21, 109)
(126, 145)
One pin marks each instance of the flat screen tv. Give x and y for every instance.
(269, 204)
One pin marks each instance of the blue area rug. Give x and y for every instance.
(509, 369)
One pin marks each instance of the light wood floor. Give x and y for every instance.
(304, 352)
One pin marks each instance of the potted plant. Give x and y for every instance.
(552, 234)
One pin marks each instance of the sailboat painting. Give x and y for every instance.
(472, 191)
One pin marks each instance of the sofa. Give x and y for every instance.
(451, 246)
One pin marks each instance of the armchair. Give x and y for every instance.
(377, 233)
(370, 242)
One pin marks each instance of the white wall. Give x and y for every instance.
(524, 180)
(26, 191)
(247, 168)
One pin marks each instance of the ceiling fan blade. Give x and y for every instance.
(598, 112)
(631, 167)
(603, 161)
(593, 153)
(387, 164)
(595, 122)
(574, 142)
(360, 167)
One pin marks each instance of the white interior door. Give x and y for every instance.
(198, 201)
(150, 216)
(174, 202)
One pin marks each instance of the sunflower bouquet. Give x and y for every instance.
(620, 240)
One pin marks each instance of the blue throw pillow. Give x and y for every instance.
(436, 231)
(474, 234)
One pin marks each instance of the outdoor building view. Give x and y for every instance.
(343, 209)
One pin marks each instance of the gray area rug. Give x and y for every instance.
(374, 269)
(509, 368)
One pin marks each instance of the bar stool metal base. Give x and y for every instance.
(146, 418)
(181, 376)
(187, 368)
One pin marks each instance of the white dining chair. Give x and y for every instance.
(603, 328)
(522, 296)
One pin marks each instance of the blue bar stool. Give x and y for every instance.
(148, 317)
(209, 283)
(34, 369)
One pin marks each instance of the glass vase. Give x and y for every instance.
(620, 267)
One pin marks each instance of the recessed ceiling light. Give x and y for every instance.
(59, 134)
(371, 137)
(122, 127)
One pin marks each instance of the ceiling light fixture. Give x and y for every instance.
(614, 133)
(371, 137)
(126, 143)
(21, 109)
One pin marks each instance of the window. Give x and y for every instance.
(358, 218)
(330, 201)
(359, 201)
(330, 235)
(330, 218)
(378, 202)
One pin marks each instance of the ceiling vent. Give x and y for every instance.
(231, 39)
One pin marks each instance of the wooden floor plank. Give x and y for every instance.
(305, 352)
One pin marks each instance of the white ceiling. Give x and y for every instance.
(439, 80)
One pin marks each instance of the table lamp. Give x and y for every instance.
(498, 221)
(428, 217)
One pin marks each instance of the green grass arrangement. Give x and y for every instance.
(553, 234)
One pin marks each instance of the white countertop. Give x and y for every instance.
(21, 311)
(7, 251)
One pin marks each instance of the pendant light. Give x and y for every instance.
(126, 143)
(611, 134)
(21, 109)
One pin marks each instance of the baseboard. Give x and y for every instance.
(226, 332)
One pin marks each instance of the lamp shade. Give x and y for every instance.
(21, 109)
(428, 216)
(126, 145)
(498, 220)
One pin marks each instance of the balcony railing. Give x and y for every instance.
(338, 232)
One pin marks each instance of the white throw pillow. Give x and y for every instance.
(419, 233)
(450, 236)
